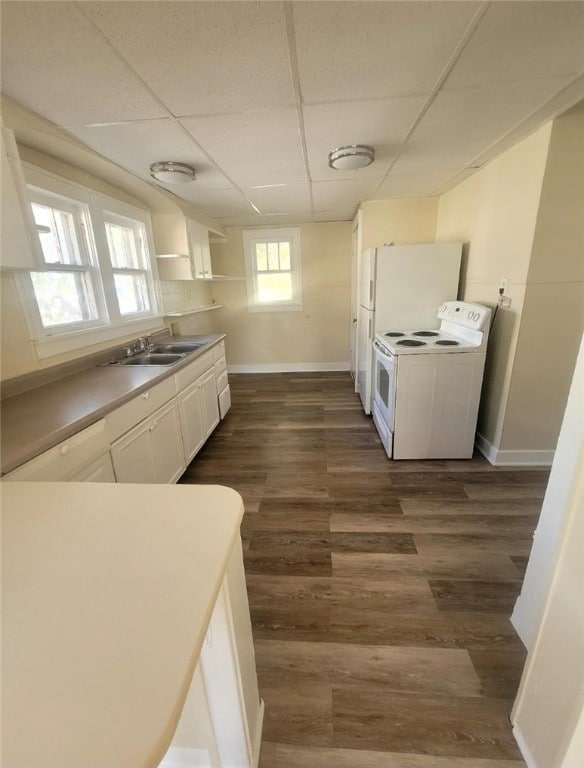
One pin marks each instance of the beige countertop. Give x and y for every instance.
(35, 421)
(107, 591)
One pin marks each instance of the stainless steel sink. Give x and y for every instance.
(153, 358)
(178, 347)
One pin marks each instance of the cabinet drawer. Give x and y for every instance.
(220, 366)
(194, 370)
(222, 382)
(67, 458)
(224, 401)
(218, 351)
(125, 417)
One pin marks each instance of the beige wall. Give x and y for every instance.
(495, 212)
(553, 314)
(403, 222)
(319, 333)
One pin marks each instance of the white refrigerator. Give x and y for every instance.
(401, 288)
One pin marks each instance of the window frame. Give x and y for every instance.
(110, 324)
(88, 265)
(251, 237)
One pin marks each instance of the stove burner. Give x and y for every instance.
(448, 343)
(411, 343)
(394, 333)
(425, 333)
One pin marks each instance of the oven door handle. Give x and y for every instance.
(381, 352)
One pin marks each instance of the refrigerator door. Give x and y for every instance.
(367, 279)
(365, 356)
(412, 282)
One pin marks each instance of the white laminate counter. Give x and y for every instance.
(107, 591)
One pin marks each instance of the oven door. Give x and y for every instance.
(384, 397)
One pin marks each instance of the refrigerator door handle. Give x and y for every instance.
(369, 336)
(370, 292)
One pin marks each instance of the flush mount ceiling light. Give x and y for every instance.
(170, 172)
(351, 157)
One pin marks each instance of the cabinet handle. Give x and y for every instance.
(145, 395)
(64, 450)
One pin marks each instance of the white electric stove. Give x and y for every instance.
(427, 384)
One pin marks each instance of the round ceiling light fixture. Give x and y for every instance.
(351, 157)
(170, 172)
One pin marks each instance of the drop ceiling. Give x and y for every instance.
(255, 95)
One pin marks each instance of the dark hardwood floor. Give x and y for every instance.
(380, 591)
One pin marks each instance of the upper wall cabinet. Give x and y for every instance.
(182, 248)
(19, 246)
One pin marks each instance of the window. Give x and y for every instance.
(272, 258)
(96, 283)
(126, 241)
(65, 291)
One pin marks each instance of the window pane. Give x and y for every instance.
(273, 262)
(284, 255)
(122, 246)
(59, 244)
(276, 287)
(132, 294)
(63, 297)
(261, 257)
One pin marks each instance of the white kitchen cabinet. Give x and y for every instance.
(76, 458)
(209, 403)
(20, 246)
(222, 381)
(221, 721)
(152, 451)
(99, 471)
(199, 413)
(182, 248)
(191, 420)
(200, 250)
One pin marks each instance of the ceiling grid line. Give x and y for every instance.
(170, 114)
(293, 57)
(456, 54)
(255, 95)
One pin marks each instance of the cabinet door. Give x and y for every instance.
(200, 251)
(133, 456)
(165, 432)
(99, 471)
(189, 406)
(208, 387)
(20, 248)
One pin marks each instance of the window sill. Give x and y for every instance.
(51, 346)
(275, 307)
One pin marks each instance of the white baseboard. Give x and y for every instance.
(287, 367)
(257, 737)
(500, 458)
(527, 756)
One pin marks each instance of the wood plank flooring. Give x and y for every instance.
(380, 591)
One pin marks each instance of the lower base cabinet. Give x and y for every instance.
(99, 471)
(151, 452)
(221, 721)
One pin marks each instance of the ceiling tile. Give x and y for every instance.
(56, 64)
(261, 147)
(218, 203)
(381, 124)
(290, 198)
(137, 144)
(460, 124)
(516, 41)
(347, 214)
(423, 184)
(202, 57)
(365, 50)
(343, 195)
